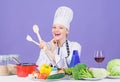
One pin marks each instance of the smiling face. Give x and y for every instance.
(59, 32)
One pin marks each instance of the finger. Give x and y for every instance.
(53, 42)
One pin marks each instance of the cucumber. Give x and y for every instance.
(56, 76)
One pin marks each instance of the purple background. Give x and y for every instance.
(96, 26)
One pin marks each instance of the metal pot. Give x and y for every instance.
(23, 69)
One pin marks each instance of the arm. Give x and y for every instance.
(43, 59)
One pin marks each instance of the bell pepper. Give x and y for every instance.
(45, 68)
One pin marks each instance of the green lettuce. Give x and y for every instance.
(113, 67)
(99, 72)
(81, 71)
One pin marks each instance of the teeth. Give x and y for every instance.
(57, 34)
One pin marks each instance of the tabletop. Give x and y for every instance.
(13, 78)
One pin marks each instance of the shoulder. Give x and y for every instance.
(74, 44)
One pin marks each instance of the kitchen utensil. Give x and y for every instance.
(36, 30)
(16, 60)
(24, 69)
(29, 38)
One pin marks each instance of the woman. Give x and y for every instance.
(59, 50)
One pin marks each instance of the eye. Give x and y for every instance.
(53, 27)
(61, 27)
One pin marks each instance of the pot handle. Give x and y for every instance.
(16, 67)
(35, 66)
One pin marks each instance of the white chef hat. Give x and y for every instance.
(63, 16)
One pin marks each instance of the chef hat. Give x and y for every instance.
(63, 16)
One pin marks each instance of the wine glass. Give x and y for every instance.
(99, 57)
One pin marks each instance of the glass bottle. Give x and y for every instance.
(75, 58)
(3, 65)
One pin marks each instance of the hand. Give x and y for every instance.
(43, 45)
(53, 45)
(47, 49)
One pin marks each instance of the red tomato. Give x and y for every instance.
(42, 76)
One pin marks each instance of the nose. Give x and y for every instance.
(56, 30)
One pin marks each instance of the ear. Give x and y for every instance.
(67, 31)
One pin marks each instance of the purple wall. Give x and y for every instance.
(95, 26)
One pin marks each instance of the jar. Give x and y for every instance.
(11, 63)
(3, 65)
(54, 71)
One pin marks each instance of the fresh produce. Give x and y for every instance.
(60, 71)
(56, 76)
(68, 71)
(99, 72)
(81, 71)
(38, 75)
(46, 69)
(43, 76)
(35, 74)
(113, 67)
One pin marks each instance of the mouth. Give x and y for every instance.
(57, 34)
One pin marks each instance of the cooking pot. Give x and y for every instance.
(23, 69)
